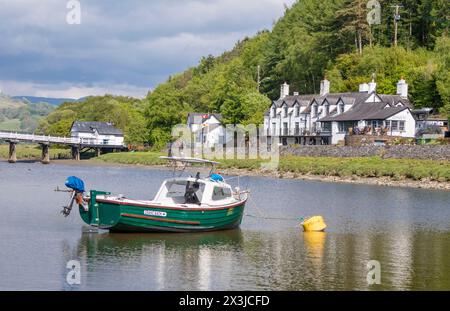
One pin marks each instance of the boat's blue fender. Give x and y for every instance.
(75, 183)
(217, 178)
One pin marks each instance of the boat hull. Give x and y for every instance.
(122, 217)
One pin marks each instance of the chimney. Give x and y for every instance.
(372, 87)
(284, 91)
(364, 88)
(324, 87)
(402, 88)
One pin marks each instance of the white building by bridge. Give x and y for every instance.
(327, 118)
(97, 133)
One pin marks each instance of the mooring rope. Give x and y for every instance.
(274, 218)
(261, 214)
(265, 217)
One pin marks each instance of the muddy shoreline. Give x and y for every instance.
(376, 181)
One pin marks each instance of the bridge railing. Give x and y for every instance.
(52, 139)
(39, 138)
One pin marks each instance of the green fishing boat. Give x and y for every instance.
(183, 204)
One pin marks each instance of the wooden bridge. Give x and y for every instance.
(78, 145)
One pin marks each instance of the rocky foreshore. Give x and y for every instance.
(376, 181)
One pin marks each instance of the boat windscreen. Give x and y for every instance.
(187, 192)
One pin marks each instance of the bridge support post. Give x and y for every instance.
(12, 151)
(99, 152)
(45, 154)
(76, 153)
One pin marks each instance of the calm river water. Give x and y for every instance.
(406, 230)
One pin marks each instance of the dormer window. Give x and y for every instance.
(274, 112)
(327, 109)
(316, 110)
(297, 111)
(286, 111)
(341, 108)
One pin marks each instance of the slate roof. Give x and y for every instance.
(395, 99)
(360, 109)
(366, 111)
(302, 100)
(102, 128)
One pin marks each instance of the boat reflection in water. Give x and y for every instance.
(161, 260)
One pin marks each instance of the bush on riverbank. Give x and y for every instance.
(374, 167)
(133, 158)
(369, 167)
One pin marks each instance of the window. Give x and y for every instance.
(297, 111)
(395, 125)
(316, 110)
(286, 111)
(176, 190)
(274, 112)
(402, 126)
(186, 192)
(326, 126)
(285, 129)
(327, 109)
(341, 108)
(297, 128)
(377, 124)
(344, 127)
(221, 193)
(388, 124)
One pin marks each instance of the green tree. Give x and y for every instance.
(443, 74)
(353, 17)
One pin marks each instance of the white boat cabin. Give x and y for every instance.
(193, 192)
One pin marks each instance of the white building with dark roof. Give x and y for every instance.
(207, 129)
(326, 118)
(97, 133)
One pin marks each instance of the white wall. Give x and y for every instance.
(337, 136)
(291, 119)
(90, 138)
(410, 124)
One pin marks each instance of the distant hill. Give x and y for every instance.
(51, 101)
(21, 114)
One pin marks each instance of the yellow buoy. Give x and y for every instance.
(314, 224)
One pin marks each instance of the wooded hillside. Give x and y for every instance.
(314, 39)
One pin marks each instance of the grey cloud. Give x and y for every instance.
(126, 43)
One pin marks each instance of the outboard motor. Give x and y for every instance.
(77, 186)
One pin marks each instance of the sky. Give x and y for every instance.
(117, 47)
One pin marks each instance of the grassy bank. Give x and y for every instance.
(374, 167)
(133, 158)
(33, 152)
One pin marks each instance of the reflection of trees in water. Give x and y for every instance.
(328, 261)
(288, 260)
